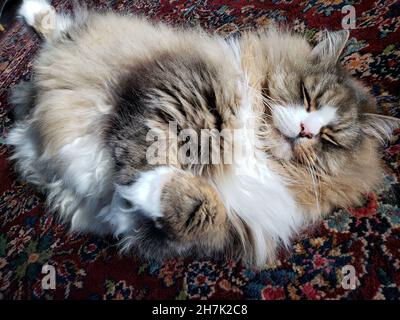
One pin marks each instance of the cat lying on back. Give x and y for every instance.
(103, 81)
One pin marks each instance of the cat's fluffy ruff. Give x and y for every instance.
(104, 80)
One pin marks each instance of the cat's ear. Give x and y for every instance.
(379, 126)
(330, 47)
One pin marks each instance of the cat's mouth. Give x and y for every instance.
(301, 148)
(295, 140)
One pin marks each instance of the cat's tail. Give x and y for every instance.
(42, 17)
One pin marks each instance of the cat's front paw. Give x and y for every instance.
(192, 209)
(178, 202)
(167, 212)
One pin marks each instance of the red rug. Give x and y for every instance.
(366, 238)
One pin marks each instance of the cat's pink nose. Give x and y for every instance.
(304, 133)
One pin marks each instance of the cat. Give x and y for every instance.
(102, 82)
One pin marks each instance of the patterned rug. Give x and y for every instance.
(367, 238)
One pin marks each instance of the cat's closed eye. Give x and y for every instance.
(327, 135)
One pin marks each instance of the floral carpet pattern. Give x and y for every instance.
(367, 238)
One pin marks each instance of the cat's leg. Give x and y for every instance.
(23, 99)
(188, 205)
(23, 138)
(78, 206)
(174, 213)
(42, 17)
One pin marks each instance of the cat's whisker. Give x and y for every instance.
(314, 179)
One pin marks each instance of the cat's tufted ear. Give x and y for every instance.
(331, 46)
(379, 126)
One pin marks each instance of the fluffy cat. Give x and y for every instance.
(103, 81)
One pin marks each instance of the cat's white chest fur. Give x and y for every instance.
(256, 194)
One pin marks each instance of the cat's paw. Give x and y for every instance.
(191, 209)
(31, 10)
(145, 193)
(178, 202)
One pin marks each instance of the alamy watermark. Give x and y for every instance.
(205, 146)
(49, 278)
(349, 20)
(349, 277)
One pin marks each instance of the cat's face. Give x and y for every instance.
(316, 112)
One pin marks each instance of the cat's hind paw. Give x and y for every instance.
(30, 10)
(39, 15)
